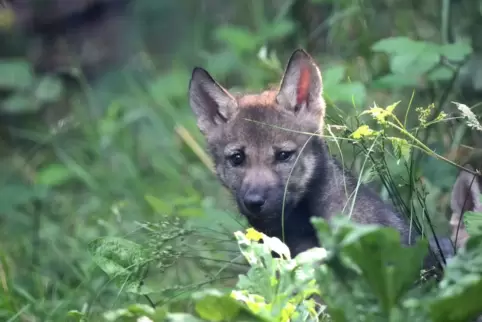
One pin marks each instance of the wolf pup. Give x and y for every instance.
(258, 152)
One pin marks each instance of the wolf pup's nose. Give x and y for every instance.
(253, 201)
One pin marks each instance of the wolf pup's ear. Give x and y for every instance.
(210, 102)
(301, 88)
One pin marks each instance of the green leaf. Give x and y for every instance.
(393, 45)
(396, 81)
(15, 74)
(214, 306)
(456, 51)
(409, 56)
(401, 148)
(239, 39)
(441, 73)
(53, 175)
(79, 316)
(169, 85)
(122, 260)
(381, 269)
(473, 222)
(354, 92)
(19, 103)
(49, 89)
(419, 60)
(333, 75)
(390, 269)
(159, 206)
(458, 295)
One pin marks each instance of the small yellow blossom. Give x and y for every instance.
(253, 234)
(362, 131)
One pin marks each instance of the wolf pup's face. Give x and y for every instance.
(254, 139)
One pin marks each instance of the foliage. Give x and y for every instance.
(108, 203)
(27, 92)
(352, 285)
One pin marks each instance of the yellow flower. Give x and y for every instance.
(253, 234)
(362, 131)
(381, 114)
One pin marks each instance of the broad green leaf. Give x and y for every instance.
(169, 85)
(238, 38)
(394, 45)
(458, 294)
(441, 73)
(401, 148)
(15, 74)
(473, 222)
(456, 51)
(214, 306)
(383, 272)
(159, 206)
(409, 57)
(333, 75)
(397, 81)
(122, 260)
(53, 175)
(19, 103)
(389, 268)
(79, 316)
(419, 61)
(354, 92)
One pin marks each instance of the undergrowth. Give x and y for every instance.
(362, 273)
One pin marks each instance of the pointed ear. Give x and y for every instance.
(301, 88)
(466, 193)
(210, 102)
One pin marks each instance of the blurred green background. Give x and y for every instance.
(97, 138)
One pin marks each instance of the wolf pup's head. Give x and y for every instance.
(254, 139)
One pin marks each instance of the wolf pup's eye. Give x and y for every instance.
(283, 156)
(237, 158)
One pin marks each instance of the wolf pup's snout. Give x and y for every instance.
(254, 198)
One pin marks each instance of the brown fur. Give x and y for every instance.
(265, 99)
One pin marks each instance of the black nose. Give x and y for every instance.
(253, 201)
